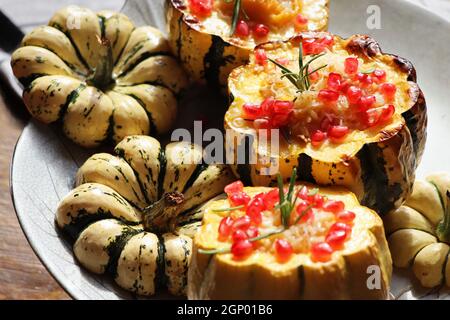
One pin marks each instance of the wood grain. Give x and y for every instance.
(22, 276)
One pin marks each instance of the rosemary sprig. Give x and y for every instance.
(234, 19)
(368, 71)
(301, 79)
(228, 249)
(228, 209)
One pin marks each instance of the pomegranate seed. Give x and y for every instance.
(234, 187)
(239, 199)
(282, 107)
(346, 216)
(271, 198)
(334, 206)
(380, 75)
(305, 216)
(321, 252)
(371, 117)
(337, 132)
(365, 79)
(341, 226)
(328, 96)
(353, 94)
(201, 8)
(267, 106)
(283, 250)
(242, 29)
(225, 228)
(300, 19)
(336, 238)
(388, 90)
(252, 111)
(344, 86)
(303, 193)
(261, 30)
(327, 40)
(242, 223)
(351, 65)
(252, 232)
(254, 211)
(239, 235)
(241, 249)
(366, 102)
(386, 113)
(318, 137)
(260, 57)
(334, 81)
(318, 200)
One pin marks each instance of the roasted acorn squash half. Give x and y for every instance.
(200, 31)
(419, 231)
(133, 215)
(327, 249)
(357, 120)
(99, 76)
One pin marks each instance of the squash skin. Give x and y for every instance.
(343, 277)
(57, 63)
(412, 232)
(209, 57)
(380, 173)
(104, 214)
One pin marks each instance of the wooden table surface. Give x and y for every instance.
(22, 275)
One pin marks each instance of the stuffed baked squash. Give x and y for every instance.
(133, 215)
(346, 113)
(212, 37)
(419, 231)
(99, 76)
(300, 243)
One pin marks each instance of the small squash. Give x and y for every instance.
(205, 45)
(350, 116)
(133, 215)
(98, 75)
(419, 231)
(325, 247)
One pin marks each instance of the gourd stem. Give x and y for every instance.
(161, 215)
(443, 228)
(102, 76)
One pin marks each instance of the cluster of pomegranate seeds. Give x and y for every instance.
(317, 45)
(201, 8)
(269, 114)
(243, 230)
(355, 87)
(258, 30)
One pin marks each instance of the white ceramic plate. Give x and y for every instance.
(44, 163)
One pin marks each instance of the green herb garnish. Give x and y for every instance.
(368, 71)
(236, 11)
(301, 79)
(228, 209)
